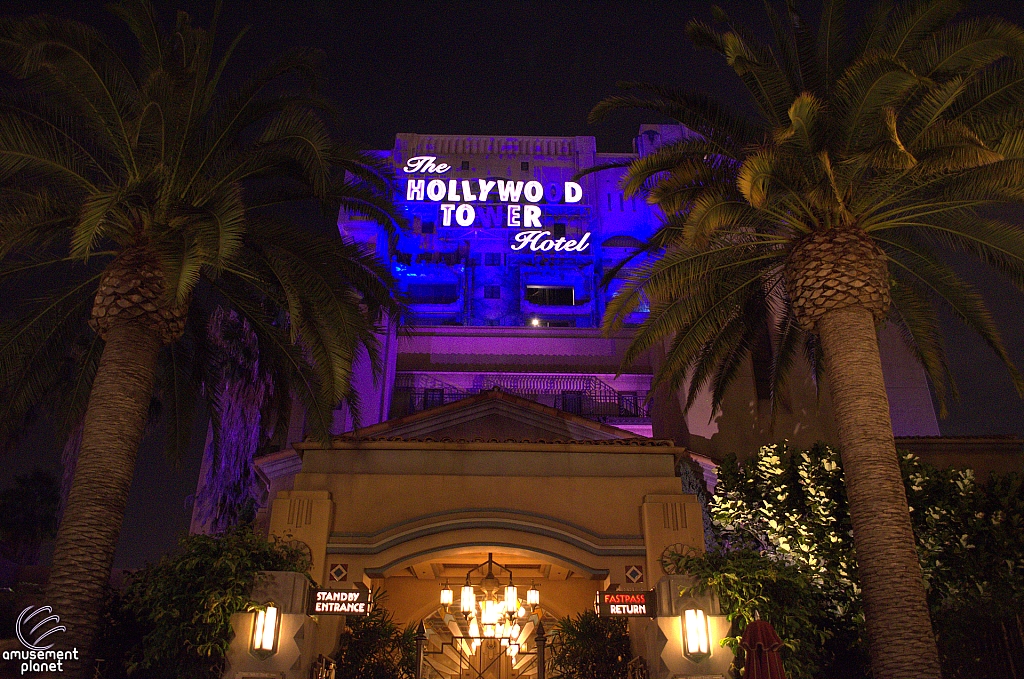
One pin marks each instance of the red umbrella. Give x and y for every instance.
(762, 645)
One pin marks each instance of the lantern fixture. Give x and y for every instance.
(533, 596)
(511, 596)
(265, 631)
(447, 596)
(468, 602)
(696, 635)
(491, 610)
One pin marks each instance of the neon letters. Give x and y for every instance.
(456, 198)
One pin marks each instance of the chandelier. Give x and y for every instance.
(493, 611)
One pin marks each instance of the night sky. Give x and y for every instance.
(504, 68)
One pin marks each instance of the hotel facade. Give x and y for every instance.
(504, 429)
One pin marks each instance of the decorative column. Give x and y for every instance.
(540, 640)
(421, 640)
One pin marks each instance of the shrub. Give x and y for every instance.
(374, 647)
(787, 552)
(173, 619)
(589, 647)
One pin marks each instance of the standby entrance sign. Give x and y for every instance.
(340, 602)
(456, 200)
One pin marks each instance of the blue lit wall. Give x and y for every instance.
(471, 275)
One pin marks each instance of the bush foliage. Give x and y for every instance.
(589, 647)
(173, 620)
(375, 647)
(787, 551)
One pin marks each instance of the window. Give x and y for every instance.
(403, 258)
(609, 200)
(559, 230)
(428, 227)
(492, 259)
(465, 165)
(433, 398)
(543, 323)
(550, 295)
(621, 206)
(524, 166)
(572, 402)
(492, 292)
(433, 293)
(629, 405)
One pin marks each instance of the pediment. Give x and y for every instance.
(493, 415)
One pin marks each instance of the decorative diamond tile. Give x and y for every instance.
(635, 573)
(339, 572)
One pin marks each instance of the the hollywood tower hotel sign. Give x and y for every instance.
(506, 203)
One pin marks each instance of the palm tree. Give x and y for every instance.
(135, 196)
(825, 215)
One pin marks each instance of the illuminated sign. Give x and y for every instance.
(456, 198)
(340, 602)
(619, 604)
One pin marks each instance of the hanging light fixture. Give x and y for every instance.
(533, 596)
(491, 609)
(511, 596)
(468, 602)
(446, 596)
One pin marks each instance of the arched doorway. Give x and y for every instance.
(489, 625)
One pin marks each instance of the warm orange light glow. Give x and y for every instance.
(696, 639)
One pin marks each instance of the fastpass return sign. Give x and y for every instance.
(619, 604)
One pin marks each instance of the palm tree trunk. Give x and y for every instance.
(115, 420)
(900, 636)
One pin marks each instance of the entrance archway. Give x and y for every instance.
(460, 645)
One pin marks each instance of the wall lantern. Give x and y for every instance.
(696, 635)
(265, 630)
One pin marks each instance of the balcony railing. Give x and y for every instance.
(584, 396)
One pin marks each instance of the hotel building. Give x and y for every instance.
(504, 425)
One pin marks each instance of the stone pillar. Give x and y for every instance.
(296, 641)
(670, 521)
(660, 641)
(305, 516)
(540, 640)
(421, 640)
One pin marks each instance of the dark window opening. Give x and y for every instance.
(629, 405)
(621, 206)
(550, 295)
(492, 259)
(524, 166)
(404, 258)
(428, 227)
(433, 293)
(433, 398)
(559, 230)
(465, 165)
(572, 402)
(609, 200)
(492, 292)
